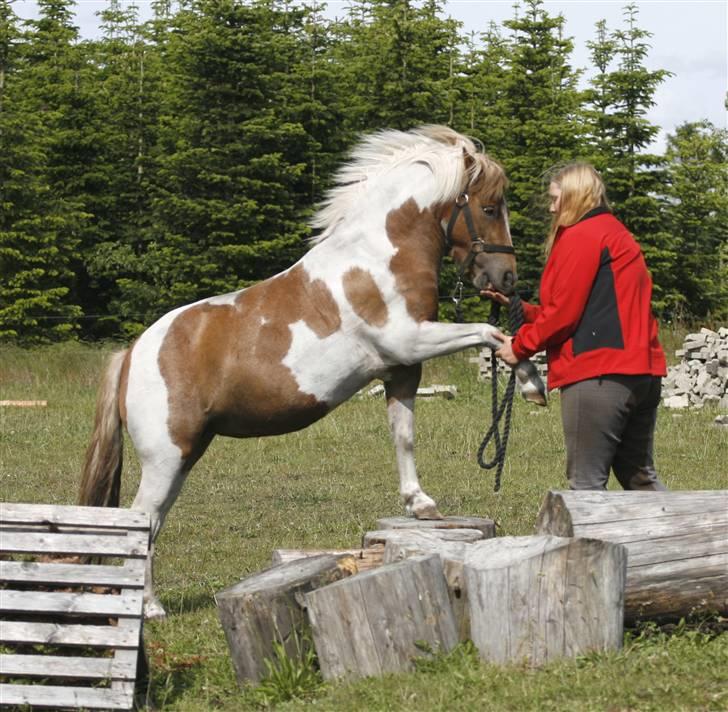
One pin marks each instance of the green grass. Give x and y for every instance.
(324, 487)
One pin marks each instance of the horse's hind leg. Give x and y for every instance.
(401, 388)
(164, 470)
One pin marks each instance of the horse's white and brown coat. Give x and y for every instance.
(362, 303)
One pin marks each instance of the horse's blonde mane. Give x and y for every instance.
(441, 148)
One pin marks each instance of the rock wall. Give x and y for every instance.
(701, 377)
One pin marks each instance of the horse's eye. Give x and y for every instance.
(489, 210)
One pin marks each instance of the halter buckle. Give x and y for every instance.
(457, 293)
(462, 200)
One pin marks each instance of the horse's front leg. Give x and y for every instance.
(400, 386)
(430, 339)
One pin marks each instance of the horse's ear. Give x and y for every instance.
(470, 168)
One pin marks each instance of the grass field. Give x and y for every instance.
(323, 487)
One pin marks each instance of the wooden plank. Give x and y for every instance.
(111, 636)
(104, 517)
(130, 575)
(53, 666)
(135, 544)
(23, 403)
(128, 658)
(56, 696)
(91, 604)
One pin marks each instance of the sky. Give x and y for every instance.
(689, 39)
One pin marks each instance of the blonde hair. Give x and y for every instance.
(582, 190)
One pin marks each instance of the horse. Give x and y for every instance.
(279, 355)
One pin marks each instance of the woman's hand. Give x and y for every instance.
(505, 352)
(495, 296)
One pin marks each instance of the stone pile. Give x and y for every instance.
(701, 377)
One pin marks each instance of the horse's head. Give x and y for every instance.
(478, 237)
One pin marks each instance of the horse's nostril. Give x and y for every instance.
(508, 279)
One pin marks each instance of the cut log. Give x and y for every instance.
(379, 621)
(677, 544)
(487, 526)
(539, 598)
(365, 559)
(382, 536)
(417, 542)
(265, 608)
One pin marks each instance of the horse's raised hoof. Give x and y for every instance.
(536, 397)
(154, 611)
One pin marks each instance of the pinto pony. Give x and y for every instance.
(360, 304)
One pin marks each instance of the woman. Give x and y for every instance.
(596, 324)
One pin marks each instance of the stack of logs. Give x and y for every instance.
(701, 377)
(414, 587)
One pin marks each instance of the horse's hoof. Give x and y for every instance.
(536, 398)
(154, 611)
(427, 511)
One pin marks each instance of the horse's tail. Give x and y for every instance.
(101, 475)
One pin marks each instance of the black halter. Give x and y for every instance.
(462, 205)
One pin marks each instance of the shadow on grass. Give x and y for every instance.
(178, 603)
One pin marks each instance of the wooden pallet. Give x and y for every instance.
(74, 629)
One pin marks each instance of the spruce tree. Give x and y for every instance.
(697, 168)
(230, 188)
(397, 61)
(38, 228)
(128, 86)
(622, 93)
(541, 105)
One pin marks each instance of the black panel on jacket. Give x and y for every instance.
(600, 326)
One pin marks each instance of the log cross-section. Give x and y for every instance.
(71, 605)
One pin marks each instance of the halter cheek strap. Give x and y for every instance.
(462, 205)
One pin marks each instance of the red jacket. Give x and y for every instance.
(595, 316)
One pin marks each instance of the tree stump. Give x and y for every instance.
(487, 526)
(383, 536)
(538, 598)
(365, 559)
(415, 542)
(379, 621)
(265, 608)
(677, 544)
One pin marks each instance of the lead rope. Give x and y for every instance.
(504, 409)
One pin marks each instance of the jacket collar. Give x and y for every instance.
(599, 210)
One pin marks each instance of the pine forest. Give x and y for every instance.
(183, 156)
